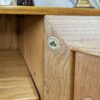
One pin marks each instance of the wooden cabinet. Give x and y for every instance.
(72, 66)
(44, 57)
(87, 77)
(15, 79)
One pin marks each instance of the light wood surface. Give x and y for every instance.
(52, 70)
(31, 40)
(48, 10)
(8, 36)
(80, 33)
(58, 68)
(87, 77)
(15, 80)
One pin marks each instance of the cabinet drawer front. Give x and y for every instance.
(87, 77)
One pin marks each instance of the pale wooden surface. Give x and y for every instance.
(87, 77)
(30, 10)
(31, 41)
(8, 37)
(15, 81)
(80, 33)
(58, 69)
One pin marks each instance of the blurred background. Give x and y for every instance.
(54, 3)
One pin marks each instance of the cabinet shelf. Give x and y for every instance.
(30, 10)
(15, 80)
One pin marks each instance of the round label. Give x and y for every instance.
(87, 98)
(53, 42)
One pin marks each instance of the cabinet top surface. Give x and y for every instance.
(30, 10)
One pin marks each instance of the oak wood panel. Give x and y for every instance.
(31, 41)
(80, 33)
(87, 77)
(48, 11)
(8, 35)
(58, 68)
(15, 80)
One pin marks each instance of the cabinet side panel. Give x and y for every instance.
(58, 68)
(87, 77)
(31, 40)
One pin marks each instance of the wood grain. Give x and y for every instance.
(58, 68)
(15, 80)
(31, 41)
(87, 77)
(8, 35)
(80, 33)
(24, 10)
